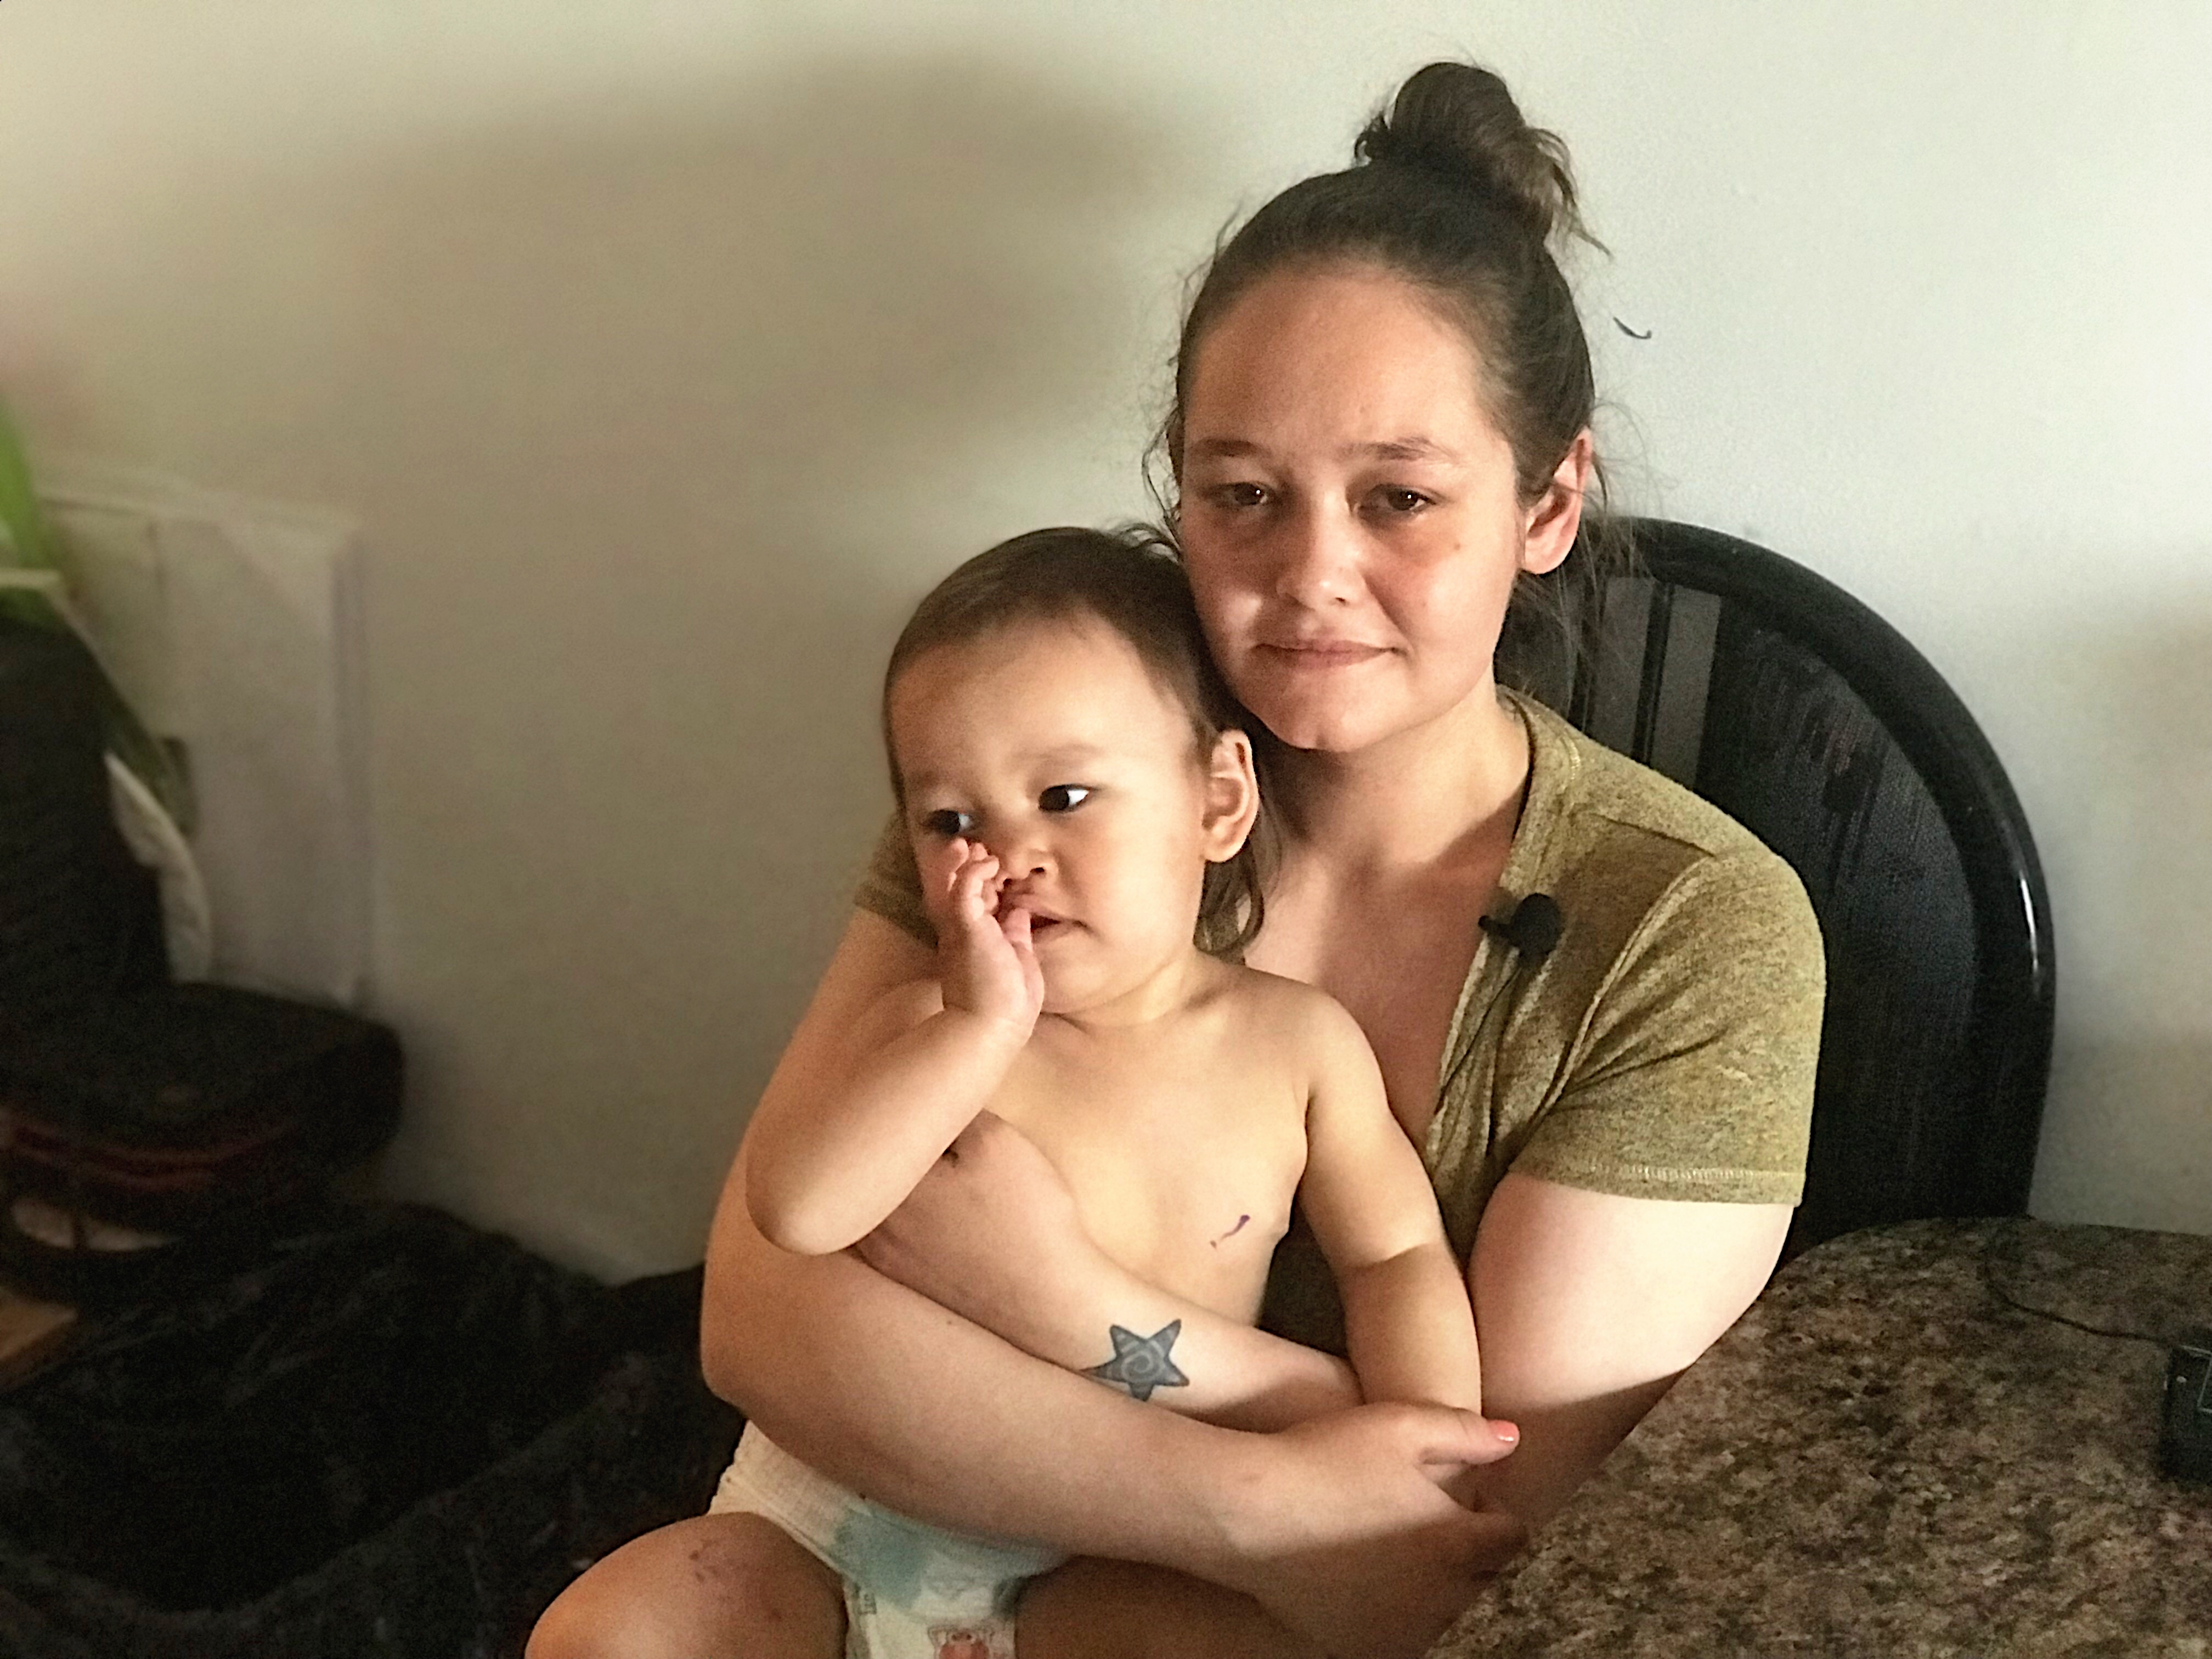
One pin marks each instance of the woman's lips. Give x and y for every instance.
(1321, 653)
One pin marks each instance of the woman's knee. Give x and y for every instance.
(715, 1587)
(1093, 1609)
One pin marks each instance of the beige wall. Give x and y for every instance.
(665, 351)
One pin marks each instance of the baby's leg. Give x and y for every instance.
(715, 1587)
(1092, 1609)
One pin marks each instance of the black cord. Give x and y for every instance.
(2011, 1230)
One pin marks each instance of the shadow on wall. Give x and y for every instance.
(2127, 1140)
(659, 419)
(2127, 1133)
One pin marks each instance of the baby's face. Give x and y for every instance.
(1051, 746)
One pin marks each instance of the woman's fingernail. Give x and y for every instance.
(1509, 1433)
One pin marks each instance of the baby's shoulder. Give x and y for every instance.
(1301, 1022)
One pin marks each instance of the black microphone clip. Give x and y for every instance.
(1533, 929)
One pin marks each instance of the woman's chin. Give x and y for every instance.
(1317, 731)
(1323, 714)
(1336, 726)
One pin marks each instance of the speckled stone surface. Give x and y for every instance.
(1883, 1458)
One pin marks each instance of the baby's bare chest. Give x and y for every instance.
(1183, 1173)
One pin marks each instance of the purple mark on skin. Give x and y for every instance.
(1232, 1232)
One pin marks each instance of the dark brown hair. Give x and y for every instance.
(1453, 191)
(1129, 581)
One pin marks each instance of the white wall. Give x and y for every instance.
(666, 349)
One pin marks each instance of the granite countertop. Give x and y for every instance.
(1883, 1457)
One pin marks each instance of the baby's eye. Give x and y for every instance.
(1063, 798)
(948, 823)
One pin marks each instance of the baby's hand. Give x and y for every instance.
(984, 956)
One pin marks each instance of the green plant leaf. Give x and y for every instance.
(27, 535)
(32, 608)
(30, 544)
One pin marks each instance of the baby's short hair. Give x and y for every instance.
(1131, 581)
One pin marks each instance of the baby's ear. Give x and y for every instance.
(1232, 796)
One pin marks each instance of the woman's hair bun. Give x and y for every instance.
(1460, 121)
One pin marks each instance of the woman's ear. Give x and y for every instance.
(1556, 517)
(1232, 796)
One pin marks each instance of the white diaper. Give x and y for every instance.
(912, 1591)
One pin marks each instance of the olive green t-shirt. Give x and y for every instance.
(1665, 1049)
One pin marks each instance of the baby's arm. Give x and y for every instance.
(828, 1158)
(1406, 1317)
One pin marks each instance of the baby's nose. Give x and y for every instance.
(1020, 856)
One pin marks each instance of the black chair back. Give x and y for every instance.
(1786, 702)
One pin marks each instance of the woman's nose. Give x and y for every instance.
(1317, 560)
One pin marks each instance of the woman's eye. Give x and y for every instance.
(1063, 798)
(948, 823)
(1403, 501)
(1240, 494)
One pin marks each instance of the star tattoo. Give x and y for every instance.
(1140, 1363)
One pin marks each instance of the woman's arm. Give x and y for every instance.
(1337, 1528)
(1590, 1305)
(1694, 1086)
(993, 1234)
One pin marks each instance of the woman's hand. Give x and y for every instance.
(1364, 1566)
(992, 1233)
(986, 962)
(1363, 1551)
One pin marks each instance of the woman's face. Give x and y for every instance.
(1350, 518)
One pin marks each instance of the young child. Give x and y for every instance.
(1080, 806)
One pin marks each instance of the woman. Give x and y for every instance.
(1381, 451)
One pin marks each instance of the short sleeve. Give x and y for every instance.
(891, 887)
(1693, 1078)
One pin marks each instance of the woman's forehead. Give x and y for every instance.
(1352, 354)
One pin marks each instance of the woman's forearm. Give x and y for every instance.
(994, 1236)
(908, 1404)
(1133, 1337)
